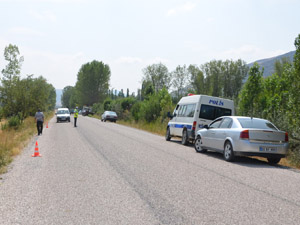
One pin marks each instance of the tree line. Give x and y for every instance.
(21, 97)
(276, 98)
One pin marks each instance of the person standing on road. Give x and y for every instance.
(75, 116)
(39, 119)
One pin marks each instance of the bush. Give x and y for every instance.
(294, 154)
(14, 121)
(135, 111)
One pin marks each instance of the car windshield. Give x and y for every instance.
(256, 123)
(62, 112)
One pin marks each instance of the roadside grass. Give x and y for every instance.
(13, 140)
(157, 127)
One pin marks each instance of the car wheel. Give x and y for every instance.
(184, 140)
(168, 135)
(104, 120)
(228, 152)
(273, 160)
(197, 145)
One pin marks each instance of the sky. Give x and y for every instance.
(57, 37)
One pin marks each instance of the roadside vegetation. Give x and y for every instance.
(276, 98)
(19, 101)
(14, 138)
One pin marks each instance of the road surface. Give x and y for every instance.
(106, 173)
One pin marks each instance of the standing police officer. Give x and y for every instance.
(75, 116)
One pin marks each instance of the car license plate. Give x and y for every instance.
(267, 149)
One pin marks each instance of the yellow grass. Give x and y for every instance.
(155, 128)
(12, 141)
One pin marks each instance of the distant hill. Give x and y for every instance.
(268, 63)
(58, 97)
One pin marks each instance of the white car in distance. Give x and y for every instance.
(63, 114)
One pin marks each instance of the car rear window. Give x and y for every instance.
(256, 123)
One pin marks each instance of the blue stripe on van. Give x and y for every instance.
(189, 127)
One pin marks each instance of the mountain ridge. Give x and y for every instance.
(268, 63)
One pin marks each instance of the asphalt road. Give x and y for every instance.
(106, 173)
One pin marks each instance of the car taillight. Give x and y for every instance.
(194, 125)
(244, 134)
(286, 136)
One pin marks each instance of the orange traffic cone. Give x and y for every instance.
(36, 151)
(47, 125)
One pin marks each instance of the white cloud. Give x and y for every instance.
(137, 60)
(128, 60)
(43, 16)
(157, 60)
(59, 69)
(25, 31)
(187, 7)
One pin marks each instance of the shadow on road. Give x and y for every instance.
(251, 162)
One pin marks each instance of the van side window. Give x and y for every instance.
(182, 110)
(212, 112)
(222, 112)
(190, 110)
(207, 112)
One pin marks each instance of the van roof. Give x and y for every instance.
(196, 98)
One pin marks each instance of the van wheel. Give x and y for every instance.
(197, 145)
(184, 140)
(228, 152)
(168, 136)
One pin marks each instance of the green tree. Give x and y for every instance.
(250, 96)
(92, 83)
(279, 66)
(147, 89)
(233, 75)
(294, 102)
(180, 79)
(158, 75)
(213, 74)
(10, 80)
(224, 78)
(68, 97)
(196, 80)
(121, 94)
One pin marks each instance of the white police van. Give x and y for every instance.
(193, 112)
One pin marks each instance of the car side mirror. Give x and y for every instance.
(206, 127)
(169, 115)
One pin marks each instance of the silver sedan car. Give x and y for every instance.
(243, 136)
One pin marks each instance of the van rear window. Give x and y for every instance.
(209, 112)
